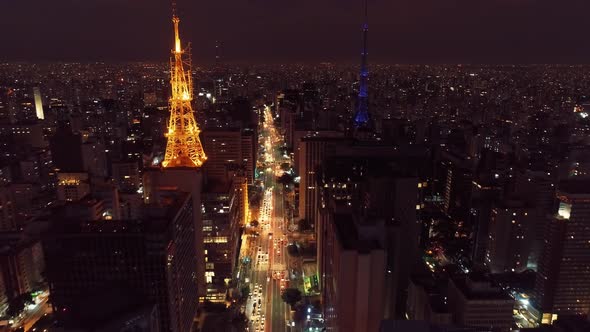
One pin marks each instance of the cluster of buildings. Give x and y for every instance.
(452, 185)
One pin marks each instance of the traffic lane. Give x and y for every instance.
(278, 320)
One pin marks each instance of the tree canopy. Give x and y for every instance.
(291, 296)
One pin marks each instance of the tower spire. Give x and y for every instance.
(361, 117)
(176, 22)
(183, 148)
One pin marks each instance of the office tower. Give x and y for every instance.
(158, 181)
(382, 196)
(223, 215)
(312, 154)
(458, 183)
(361, 117)
(152, 258)
(38, 103)
(290, 109)
(510, 239)
(313, 151)
(298, 137)
(354, 294)
(227, 149)
(21, 263)
(475, 301)
(427, 301)
(538, 189)
(249, 144)
(486, 192)
(66, 150)
(562, 286)
(74, 152)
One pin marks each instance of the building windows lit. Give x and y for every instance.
(209, 276)
(215, 239)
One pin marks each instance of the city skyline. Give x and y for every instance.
(263, 193)
(423, 31)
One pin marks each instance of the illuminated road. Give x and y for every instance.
(33, 313)
(265, 308)
(277, 309)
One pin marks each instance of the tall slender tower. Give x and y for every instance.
(184, 147)
(361, 117)
(38, 103)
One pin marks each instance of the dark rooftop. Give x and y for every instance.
(575, 187)
(478, 286)
(156, 219)
(348, 235)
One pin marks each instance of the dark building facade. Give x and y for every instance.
(153, 257)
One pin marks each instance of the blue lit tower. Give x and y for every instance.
(361, 118)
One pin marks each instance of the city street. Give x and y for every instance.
(268, 275)
(33, 312)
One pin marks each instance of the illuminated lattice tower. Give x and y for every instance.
(184, 147)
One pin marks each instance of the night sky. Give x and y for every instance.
(259, 31)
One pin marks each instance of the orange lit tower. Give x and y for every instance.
(184, 147)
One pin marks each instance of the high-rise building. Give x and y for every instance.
(313, 151)
(375, 182)
(158, 182)
(427, 302)
(486, 193)
(384, 203)
(354, 294)
(562, 286)
(153, 257)
(74, 152)
(66, 150)
(538, 189)
(223, 215)
(228, 149)
(21, 263)
(475, 301)
(509, 243)
(38, 103)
